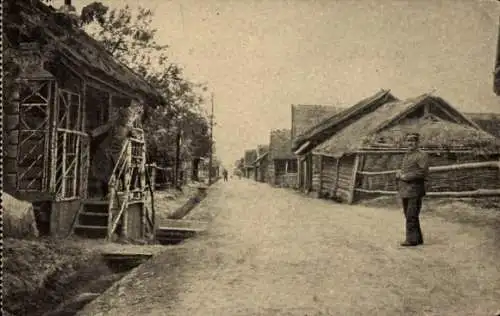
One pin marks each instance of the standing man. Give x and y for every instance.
(224, 173)
(411, 186)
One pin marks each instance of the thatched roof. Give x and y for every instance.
(322, 131)
(490, 122)
(280, 145)
(387, 126)
(305, 117)
(33, 21)
(250, 157)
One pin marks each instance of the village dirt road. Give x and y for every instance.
(274, 252)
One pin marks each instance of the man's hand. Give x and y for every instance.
(398, 174)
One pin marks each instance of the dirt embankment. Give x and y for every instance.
(41, 274)
(49, 277)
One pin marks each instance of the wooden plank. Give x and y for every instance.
(476, 193)
(63, 185)
(71, 131)
(320, 174)
(46, 146)
(469, 165)
(352, 184)
(53, 140)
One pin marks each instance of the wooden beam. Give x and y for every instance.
(320, 175)
(46, 161)
(469, 165)
(404, 150)
(475, 193)
(53, 141)
(352, 185)
(302, 148)
(101, 129)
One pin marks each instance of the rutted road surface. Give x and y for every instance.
(273, 252)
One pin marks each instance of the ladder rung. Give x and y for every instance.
(94, 213)
(91, 227)
(96, 202)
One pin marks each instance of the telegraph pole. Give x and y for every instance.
(211, 142)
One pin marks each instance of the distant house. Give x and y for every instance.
(310, 164)
(248, 166)
(282, 168)
(361, 159)
(304, 117)
(261, 163)
(496, 74)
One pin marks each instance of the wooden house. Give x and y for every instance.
(261, 163)
(361, 159)
(489, 122)
(282, 163)
(248, 167)
(305, 117)
(310, 165)
(68, 99)
(496, 72)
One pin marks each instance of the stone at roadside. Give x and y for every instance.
(18, 218)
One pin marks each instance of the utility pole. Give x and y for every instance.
(211, 142)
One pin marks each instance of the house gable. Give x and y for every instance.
(328, 127)
(428, 107)
(387, 126)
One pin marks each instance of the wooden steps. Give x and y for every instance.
(92, 220)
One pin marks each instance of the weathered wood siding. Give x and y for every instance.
(135, 220)
(328, 176)
(316, 173)
(263, 170)
(288, 180)
(62, 215)
(346, 166)
(11, 141)
(271, 174)
(251, 173)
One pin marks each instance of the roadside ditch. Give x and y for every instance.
(49, 277)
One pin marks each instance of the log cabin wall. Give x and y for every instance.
(344, 180)
(285, 173)
(471, 178)
(329, 176)
(271, 172)
(316, 173)
(263, 168)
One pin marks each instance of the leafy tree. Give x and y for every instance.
(131, 39)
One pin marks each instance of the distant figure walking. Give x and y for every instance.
(411, 186)
(224, 173)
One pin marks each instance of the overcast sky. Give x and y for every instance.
(259, 57)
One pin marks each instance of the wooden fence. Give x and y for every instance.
(473, 179)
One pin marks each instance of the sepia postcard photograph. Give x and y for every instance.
(250, 157)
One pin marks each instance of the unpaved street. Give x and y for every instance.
(275, 252)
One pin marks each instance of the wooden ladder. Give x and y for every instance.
(101, 218)
(97, 218)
